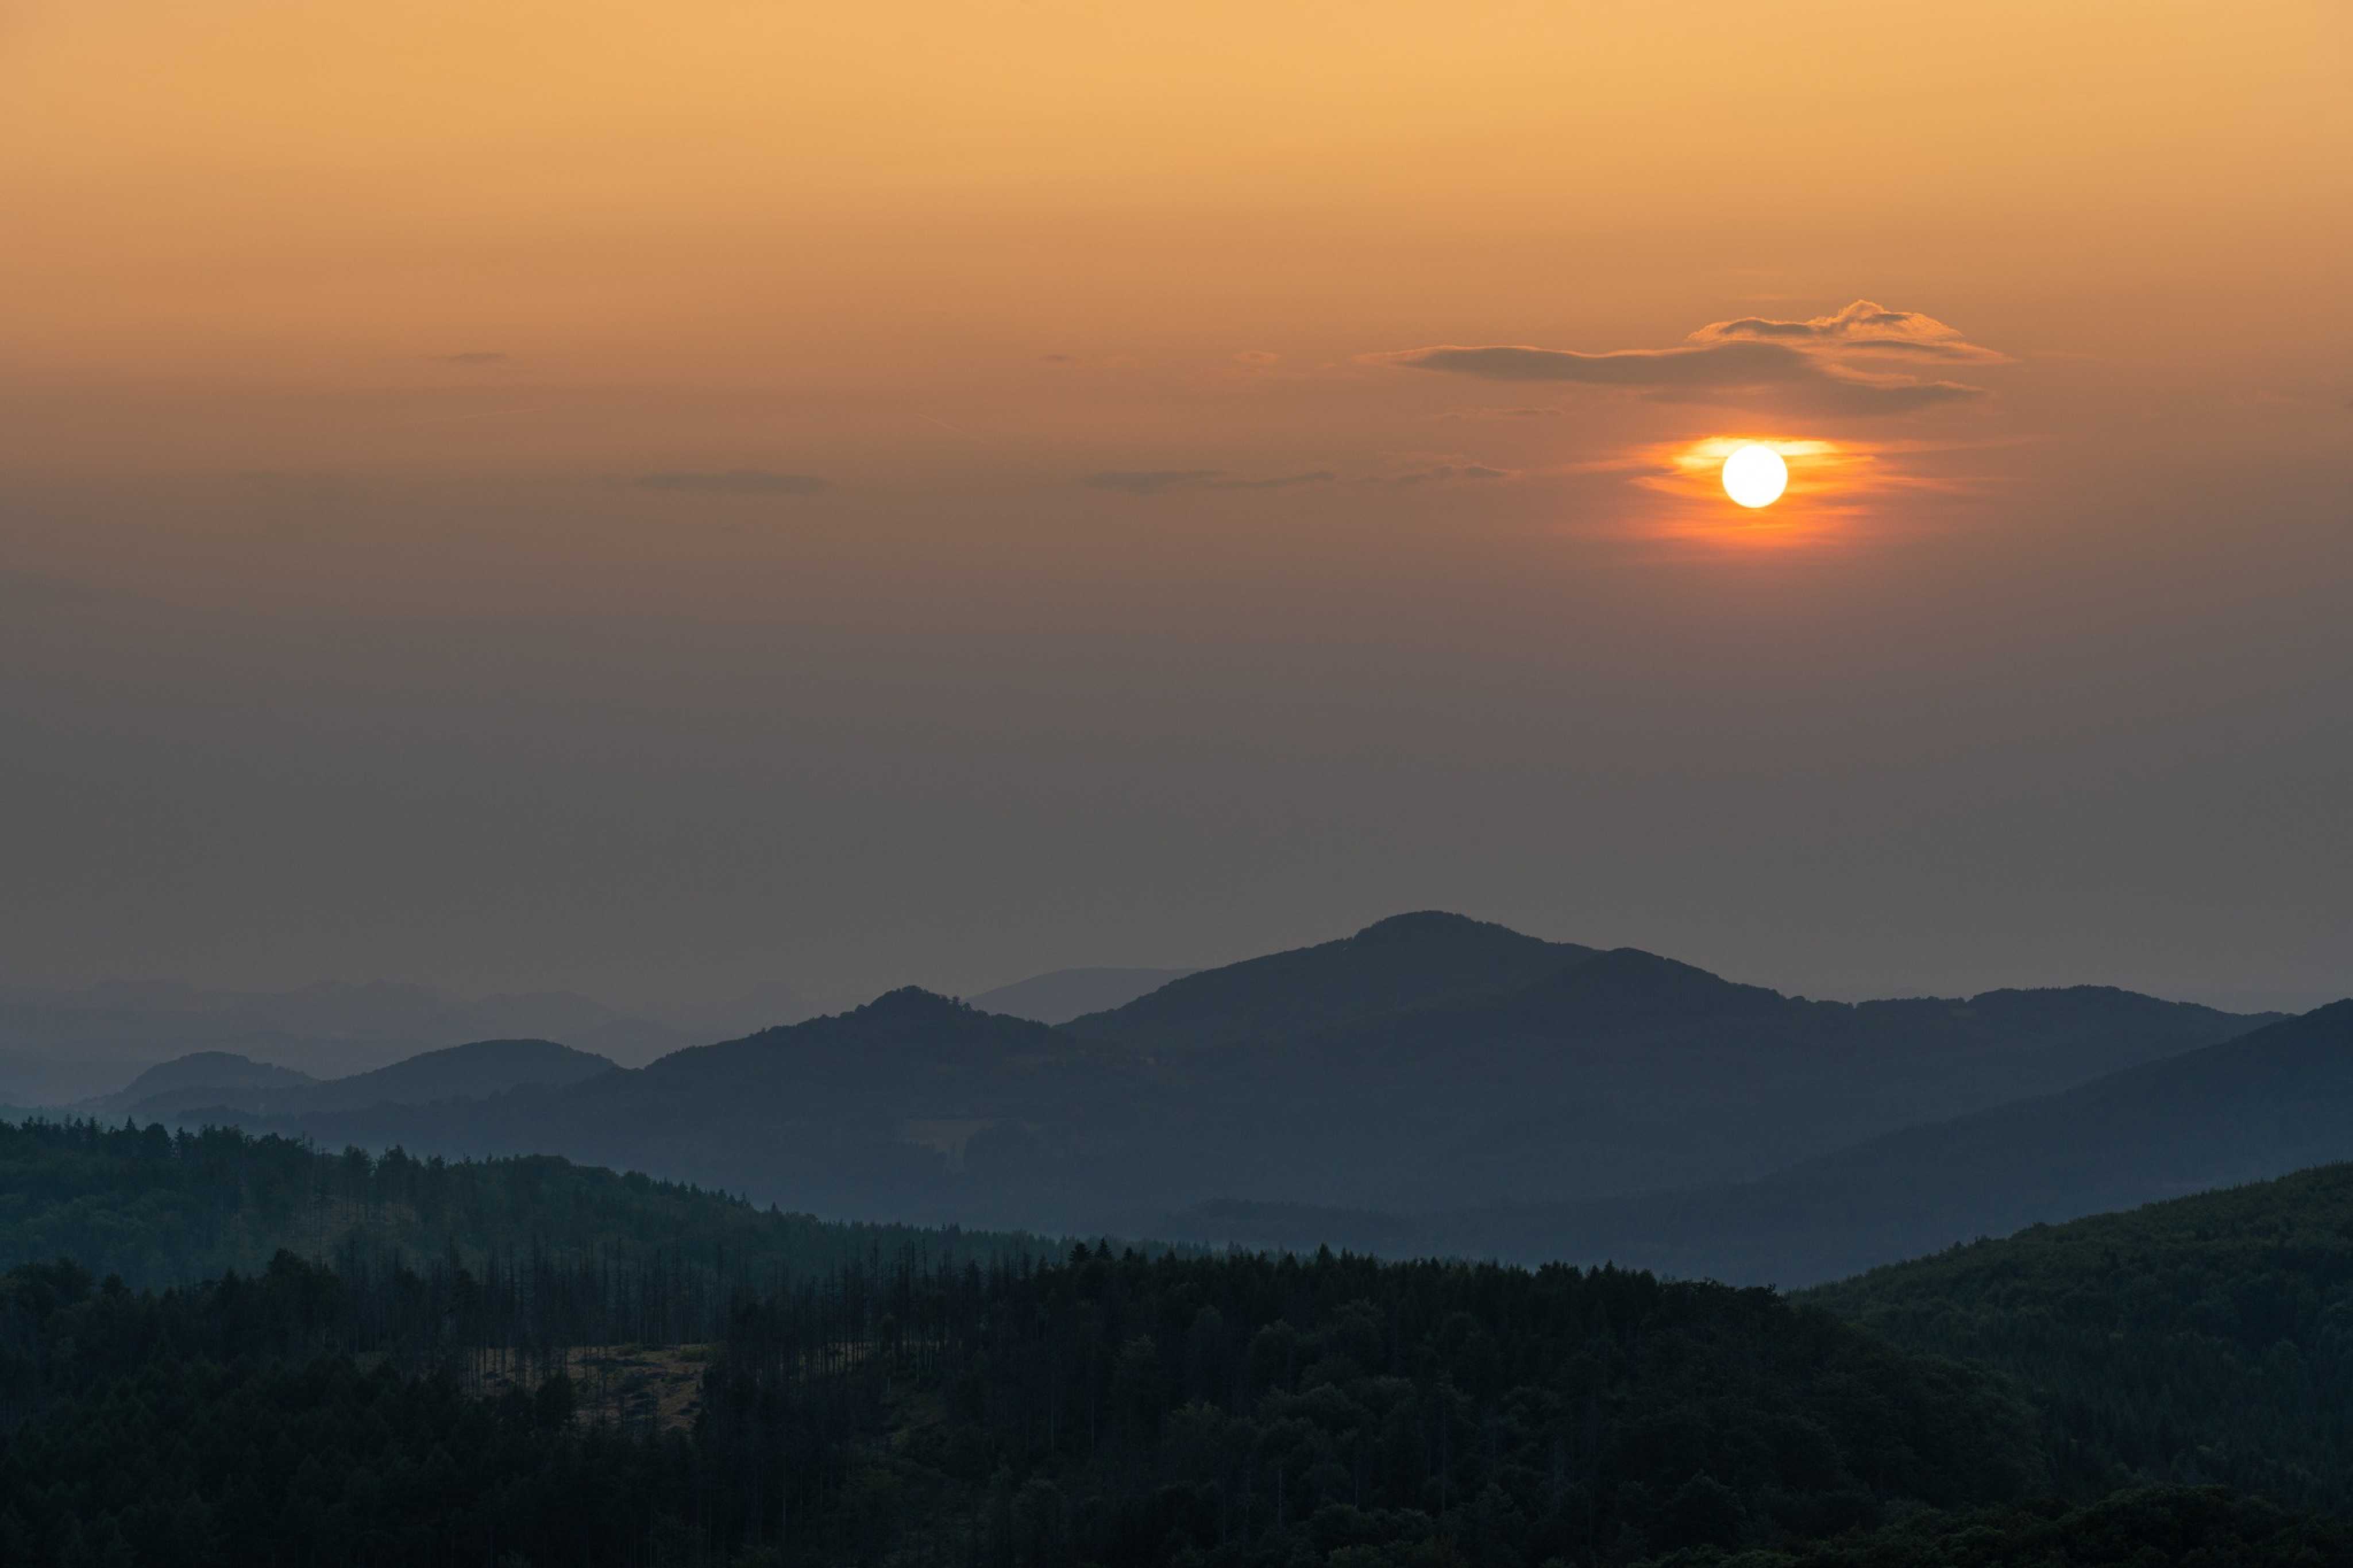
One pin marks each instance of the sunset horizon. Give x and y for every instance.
(1247, 783)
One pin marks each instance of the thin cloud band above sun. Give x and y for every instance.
(1837, 365)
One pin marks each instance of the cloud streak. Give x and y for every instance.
(1863, 326)
(734, 482)
(1445, 473)
(1801, 365)
(1161, 481)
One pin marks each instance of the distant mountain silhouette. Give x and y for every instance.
(59, 1046)
(1402, 964)
(1065, 994)
(1628, 1072)
(2274, 1102)
(867, 1111)
(472, 1071)
(202, 1071)
(1429, 1063)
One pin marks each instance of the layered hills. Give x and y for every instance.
(1063, 994)
(1428, 1066)
(60, 1045)
(2273, 1102)
(226, 1083)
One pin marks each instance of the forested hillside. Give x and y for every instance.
(1105, 1410)
(432, 1390)
(2209, 1339)
(161, 1208)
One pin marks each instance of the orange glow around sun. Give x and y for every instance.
(1825, 478)
(1835, 491)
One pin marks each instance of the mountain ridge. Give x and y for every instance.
(1503, 1068)
(474, 1071)
(2250, 1109)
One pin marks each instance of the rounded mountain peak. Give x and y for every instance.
(910, 1002)
(1418, 924)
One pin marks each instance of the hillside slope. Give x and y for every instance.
(2206, 1339)
(198, 1072)
(162, 1210)
(2276, 1100)
(1623, 1072)
(1063, 994)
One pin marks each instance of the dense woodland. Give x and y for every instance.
(162, 1209)
(1111, 1409)
(2207, 1339)
(910, 1397)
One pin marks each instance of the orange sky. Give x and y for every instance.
(1100, 320)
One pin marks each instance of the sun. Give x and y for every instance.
(1755, 476)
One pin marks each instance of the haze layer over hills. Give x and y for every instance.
(220, 1082)
(1484, 1090)
(2273, 1102)
(1063, 994)
(59, 1046)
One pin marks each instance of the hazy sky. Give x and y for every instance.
(652, 497)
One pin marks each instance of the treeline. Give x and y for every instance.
(159, 1208)
(2205, 1339)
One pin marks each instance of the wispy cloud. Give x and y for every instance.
(1444, 473)
(734, 482)
(1809, 366)
(1161, 481)
(1281, 483)
(1150, 481)
(1862, 326)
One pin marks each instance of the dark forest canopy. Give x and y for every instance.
(2209, 1337)
(2050, 1400)
(1241, 1412)
(159, 1208)
(1109, 1409)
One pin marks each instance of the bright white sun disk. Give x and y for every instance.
(1756, 476)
